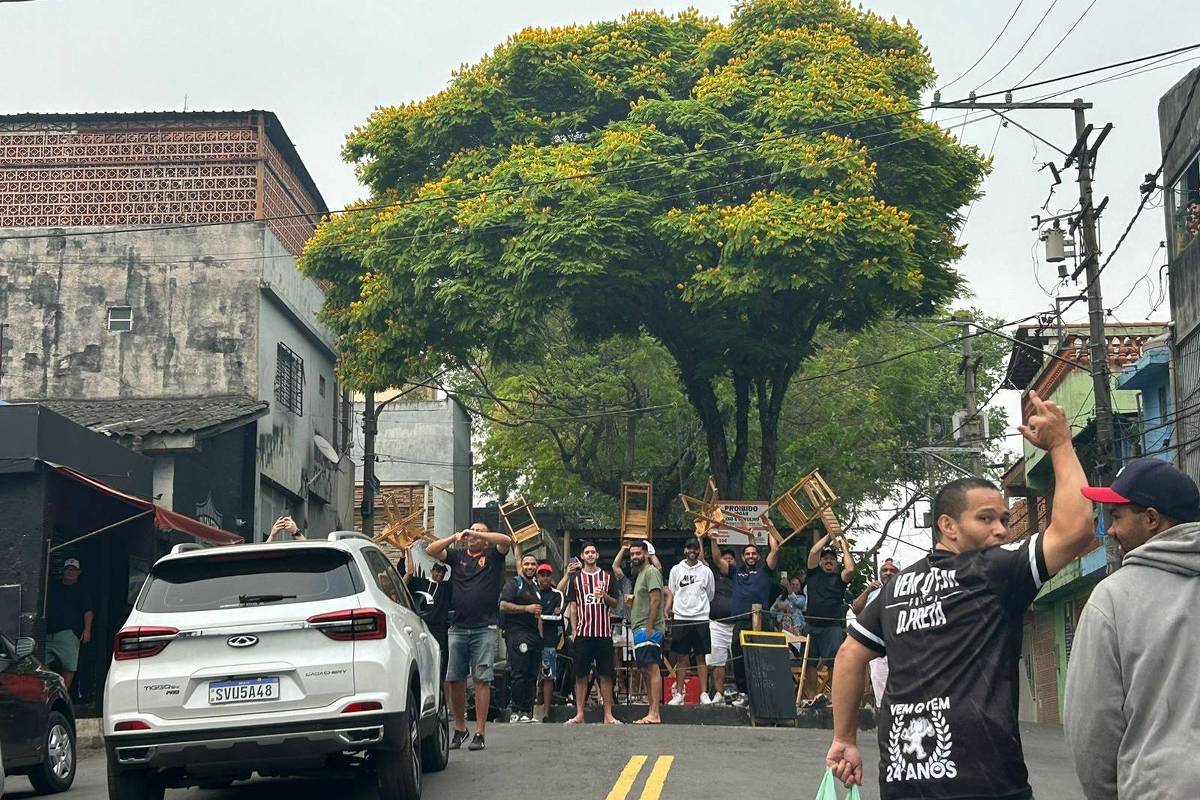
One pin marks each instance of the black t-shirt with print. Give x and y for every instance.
(750, 585)
(436, 614)
(476, 580)
(950, 626)
(721, 607)
(553, 604)
(826, 598)
(523, 626)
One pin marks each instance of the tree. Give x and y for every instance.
(729, 190)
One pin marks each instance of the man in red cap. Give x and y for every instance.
(1131, 719)
(951, 626)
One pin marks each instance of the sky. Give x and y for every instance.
(322, 67)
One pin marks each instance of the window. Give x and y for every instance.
(302, 575)
(321, 385)
(1184, 198)
(120, 319)
(386, 577)
(289, 380)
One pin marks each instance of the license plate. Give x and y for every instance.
(249, 690)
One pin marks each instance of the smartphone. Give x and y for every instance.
(575, 562)
(783, 574)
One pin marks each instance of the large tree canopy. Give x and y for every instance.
(728, 190)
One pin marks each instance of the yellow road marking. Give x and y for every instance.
(620, 789)
(658, 777)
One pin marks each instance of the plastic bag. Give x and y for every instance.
(828, 789)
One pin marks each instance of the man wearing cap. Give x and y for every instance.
(521, 618)
(879, 666)
(436, 592)
(68, 622)
(827, 583)
(554, 603)
(649, 626)
(1132, 713)
(951, 625)
(690, 590)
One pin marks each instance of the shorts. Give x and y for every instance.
(690, 637)
(824, 642)
(720, 641)
(472, 650)
(549, 664)
(647, 655)
(589, 651)
(62, 648)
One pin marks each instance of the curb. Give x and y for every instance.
(88, 735)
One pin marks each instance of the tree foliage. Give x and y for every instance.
(728, 190)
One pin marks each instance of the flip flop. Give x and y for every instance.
(647, 722)
(614, 722)
(573, 721)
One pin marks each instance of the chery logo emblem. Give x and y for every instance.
(242, 641)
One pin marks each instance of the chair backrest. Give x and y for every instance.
(519, 519)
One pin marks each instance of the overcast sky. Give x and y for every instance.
(323, 66)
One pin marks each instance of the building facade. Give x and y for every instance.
(1181, 177)
(1050, 623)
(148, 289)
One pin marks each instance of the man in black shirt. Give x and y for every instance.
(521, 612)
(68, 622)
(720, 626)
(436, 613)
(753, 583)
(951, 628)
(554, 603)
(827, 581)
(476, 559)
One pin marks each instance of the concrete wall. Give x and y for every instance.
(425, 441)
(194, 314)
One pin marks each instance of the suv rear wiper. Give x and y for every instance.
(246, 599)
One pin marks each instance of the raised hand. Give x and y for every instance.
(1047, 426)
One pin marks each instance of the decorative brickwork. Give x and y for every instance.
(147, 169)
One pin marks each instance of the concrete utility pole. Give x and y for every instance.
(972, 426)
(370, 428)
(1083, 157)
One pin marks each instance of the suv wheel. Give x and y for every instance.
(398, 766)
(435, 748)
(131, 784)
(56, 773)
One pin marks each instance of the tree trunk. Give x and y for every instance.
(770, 394)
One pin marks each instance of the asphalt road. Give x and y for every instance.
(595, 762)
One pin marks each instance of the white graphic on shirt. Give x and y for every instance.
(922, 593)
(920, 743)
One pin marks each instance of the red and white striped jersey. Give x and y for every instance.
(591, 614)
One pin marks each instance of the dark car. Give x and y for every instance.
(37, 726)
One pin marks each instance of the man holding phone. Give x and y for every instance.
(590, 599)
(285, 529)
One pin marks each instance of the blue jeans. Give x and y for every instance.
(472, 650)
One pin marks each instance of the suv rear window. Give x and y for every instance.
(274, 577)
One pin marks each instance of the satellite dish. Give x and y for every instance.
(326, 448)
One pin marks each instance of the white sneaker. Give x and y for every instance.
(741, 701)
(677, 700)
(706, 699)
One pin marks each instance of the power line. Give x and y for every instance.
(611, 170)
(1011, 17)
(1020, 49)
(1058, 44)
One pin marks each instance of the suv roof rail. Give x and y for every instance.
(338, 536)
(186, 547)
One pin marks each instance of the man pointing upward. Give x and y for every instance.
(950, 626)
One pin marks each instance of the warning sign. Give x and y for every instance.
(745, 514)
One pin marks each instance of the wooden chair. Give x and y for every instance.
(637, 510)
(706, 514)
(804, 502)
(518, 517)
(798, 672)
(402, 530)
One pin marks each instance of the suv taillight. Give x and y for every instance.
(351, 625)
(133, 643)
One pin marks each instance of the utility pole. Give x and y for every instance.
(370, 428)
(972, 428)
(1083, 157)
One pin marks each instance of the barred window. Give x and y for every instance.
(289, 380)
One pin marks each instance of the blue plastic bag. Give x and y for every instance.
(828, 789)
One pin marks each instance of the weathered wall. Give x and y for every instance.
(193, 295)
(217, 484)
(287, 457)
(425, 441)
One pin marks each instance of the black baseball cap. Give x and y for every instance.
(691, 544)
(1151, 483)
(438, 565)
(828, 551)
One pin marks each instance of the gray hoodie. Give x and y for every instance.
(1132, 704)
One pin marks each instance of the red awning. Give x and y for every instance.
(163, 518)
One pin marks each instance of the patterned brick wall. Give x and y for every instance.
(149, 170)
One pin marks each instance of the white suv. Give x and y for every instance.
(279, 659)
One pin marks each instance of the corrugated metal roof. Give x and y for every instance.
(148, 417)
